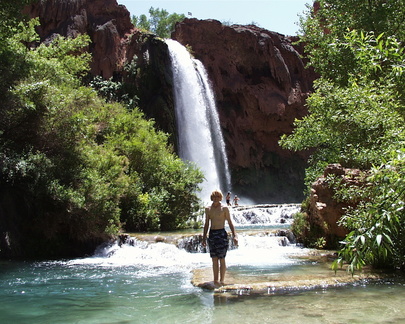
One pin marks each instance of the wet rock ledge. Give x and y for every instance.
(236, 285)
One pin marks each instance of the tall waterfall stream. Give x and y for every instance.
(199, 132)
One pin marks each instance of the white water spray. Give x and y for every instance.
(199, 134)
(264, 215)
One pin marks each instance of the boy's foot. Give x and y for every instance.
(217, 284)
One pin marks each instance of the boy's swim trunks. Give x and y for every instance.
(218, 243)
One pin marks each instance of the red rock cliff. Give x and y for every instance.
(324, 211)
(107, 23)
(261, 85)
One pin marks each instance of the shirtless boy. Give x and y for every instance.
(215, 217)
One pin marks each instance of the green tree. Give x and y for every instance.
(356, 117)
(11, 15)
(329, 24)
(141, 22)
(12, 59)
(160, 22)
(162, 193)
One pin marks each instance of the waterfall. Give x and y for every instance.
(199, 134)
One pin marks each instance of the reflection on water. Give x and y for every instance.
(379, 302)
(150, 283)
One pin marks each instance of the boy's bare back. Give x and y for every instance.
(217, 216)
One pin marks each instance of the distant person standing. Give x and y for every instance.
(215, 217)
(235, 200)
(228, 199)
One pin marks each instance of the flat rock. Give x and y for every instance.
(263, 285)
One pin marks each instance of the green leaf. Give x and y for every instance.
(378, 239)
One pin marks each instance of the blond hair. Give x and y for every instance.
(216, 193)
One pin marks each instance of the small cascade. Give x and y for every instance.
(193, 243)
(108, 249)
(151, 256)
(199, 133)
(243, 217)
(147, 259)
(265, 215)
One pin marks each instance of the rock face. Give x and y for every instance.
(107, 23)
(325, 211)
(260, 85)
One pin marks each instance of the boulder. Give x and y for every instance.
(325, 210)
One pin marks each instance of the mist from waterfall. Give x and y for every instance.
(199, 134)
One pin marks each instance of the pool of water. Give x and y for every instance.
(151, 283)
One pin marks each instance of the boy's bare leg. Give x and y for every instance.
(222, 270)
(215, 270)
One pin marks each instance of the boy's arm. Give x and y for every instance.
(230, 223)
(206, 225)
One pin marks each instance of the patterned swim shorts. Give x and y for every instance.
(218, 243)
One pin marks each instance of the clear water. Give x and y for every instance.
(150, 283)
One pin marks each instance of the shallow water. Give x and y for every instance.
(150, 283)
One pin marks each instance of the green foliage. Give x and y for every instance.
(84, 166)
(162, 189)
(357, 121)
(41, 133)
(141, 22)
(159, 23)
(110, 90)
(324, 31)
(378, 16)
(66, 60)
(308, 234)
(356, 118)
(351, 125)
(13, 63)
(378, 222)
(299, 226)
(11, 16)
(117, 91)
